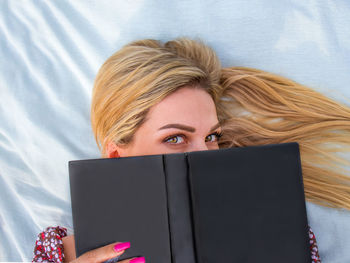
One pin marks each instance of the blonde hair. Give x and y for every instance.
(141, 74)
(255, 108)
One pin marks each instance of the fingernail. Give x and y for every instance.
(121, 246)
(138, 260)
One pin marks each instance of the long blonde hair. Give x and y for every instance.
(140, 75)
(255, 108)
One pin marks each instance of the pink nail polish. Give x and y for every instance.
(121, 246)
(138, 260)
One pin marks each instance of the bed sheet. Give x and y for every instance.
(50, 52)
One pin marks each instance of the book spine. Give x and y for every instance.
(179, 209)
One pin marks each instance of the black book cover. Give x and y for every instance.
(242, 204)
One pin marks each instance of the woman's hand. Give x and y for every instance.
(98, 255)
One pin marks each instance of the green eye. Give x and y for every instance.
(175, 139)
(172, 140)
(210, 138)
(214, 137)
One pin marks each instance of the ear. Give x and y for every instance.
(112, 150)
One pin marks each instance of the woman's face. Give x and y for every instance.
(184, 121)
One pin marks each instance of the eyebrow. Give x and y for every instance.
(185, 127)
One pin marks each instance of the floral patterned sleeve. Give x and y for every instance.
(315, 257)
(49, 246)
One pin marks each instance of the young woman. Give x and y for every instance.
(153, 98)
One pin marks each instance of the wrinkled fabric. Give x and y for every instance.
(50, 52)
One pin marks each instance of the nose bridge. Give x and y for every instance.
(199, 145)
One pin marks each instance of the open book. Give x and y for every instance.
(239, 205)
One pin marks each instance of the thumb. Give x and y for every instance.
(102, 254)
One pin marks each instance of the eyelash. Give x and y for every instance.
(217, 134)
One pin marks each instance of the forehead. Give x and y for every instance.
(188, 105)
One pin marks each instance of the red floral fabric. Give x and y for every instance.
(315, 257)
(49, 246)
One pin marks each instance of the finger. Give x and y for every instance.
(102, 254)
(133, 260)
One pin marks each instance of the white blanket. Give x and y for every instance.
(50, 52)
